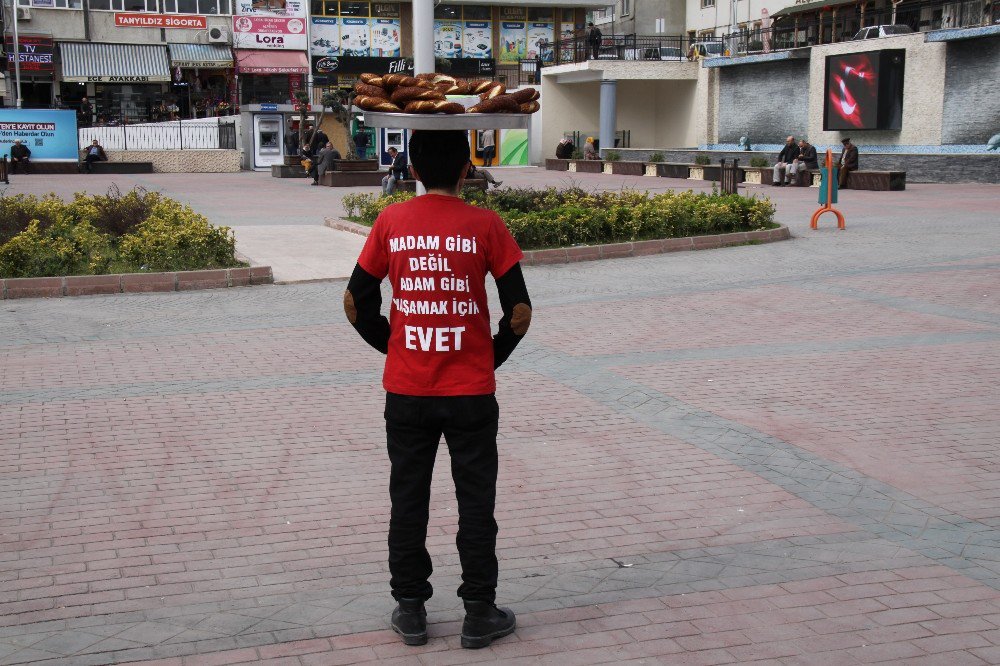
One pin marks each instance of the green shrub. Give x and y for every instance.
(577, 154)
(18, 211)
(655, 157)
(612, 156)
(114, 213)
(758, 162)
(175, 238)
(702, 160)
(560, 218)
(60, 248)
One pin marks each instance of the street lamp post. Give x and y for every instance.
(17, 54)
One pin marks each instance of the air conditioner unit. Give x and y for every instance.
(217, 36)
(24, 13)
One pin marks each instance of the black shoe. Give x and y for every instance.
(315, 182)
(497, 183)
(409, 620)
(485, 622)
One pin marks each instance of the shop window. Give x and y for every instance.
(100, 4)
(354, 9)
(511, 13)
(448, 12)
(568, 16)
(541, 15)
(477, 13)
(331, 7)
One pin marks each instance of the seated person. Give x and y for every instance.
(397, 171)
(807, 158)
(94, 153)
(786, 167)
(20, 156)
(590, 150)
(323, 162)
(848, 162)
(482, 174)
(564, 150)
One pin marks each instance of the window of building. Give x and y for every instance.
(707, 3)
(477, 13)
(511, 13)
(541, 15)
(193, 6)
(385, 10)
(58, 4)
(626, 7)
(354, 9)
(448, 12)
(568, 15)
(126, 5)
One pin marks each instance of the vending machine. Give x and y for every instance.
(268, 138)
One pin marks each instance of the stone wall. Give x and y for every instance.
(929, 168)
(765, 101)
(971, 100)
(182, 161)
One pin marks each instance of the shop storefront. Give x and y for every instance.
(36, 70)
(203, 79)
(125, 82)
(270, 77)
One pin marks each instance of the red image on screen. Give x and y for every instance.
(852, 92)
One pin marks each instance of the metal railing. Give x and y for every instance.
(785, 32)
(175, 135)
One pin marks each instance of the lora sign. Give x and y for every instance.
(49, 135)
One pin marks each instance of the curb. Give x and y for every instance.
(568, 255)
(133, 283)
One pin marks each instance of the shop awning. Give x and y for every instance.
(251, 61)
(819, 5)
(207, 56)
(114, 63)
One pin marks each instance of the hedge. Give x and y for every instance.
(114, 233)
(560, 218)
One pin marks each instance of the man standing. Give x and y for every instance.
(86, 114)
(397, 171)
(489, 147)
(848, 161)
(20, 157)
(439, 374)
(786, 166)
(594, 37)
(361, 142)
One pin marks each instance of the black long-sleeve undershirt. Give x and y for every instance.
(363, 305)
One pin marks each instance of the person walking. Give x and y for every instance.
(594, 37)
(489, 147)
(439, 374)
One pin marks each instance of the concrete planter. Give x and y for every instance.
(355, 165)
(696, 173)
(571, 167)
(608, 168)
(627, 168)
(754, 175)
(557, 165)
(590, 166)
(651, 169)
(704, 172)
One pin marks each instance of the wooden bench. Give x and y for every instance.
(878, 181)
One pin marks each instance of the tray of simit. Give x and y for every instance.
(441, 121)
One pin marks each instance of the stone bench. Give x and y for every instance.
(878, 181)
(119, 167)
(410, 185)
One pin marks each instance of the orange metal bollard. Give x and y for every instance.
(828, 206)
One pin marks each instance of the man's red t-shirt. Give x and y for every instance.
(437, 251)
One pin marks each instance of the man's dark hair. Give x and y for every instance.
(439, 156)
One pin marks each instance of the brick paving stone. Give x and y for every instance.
(779, 454)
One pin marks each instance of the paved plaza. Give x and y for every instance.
(778, 454)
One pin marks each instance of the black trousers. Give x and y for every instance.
(414, 425)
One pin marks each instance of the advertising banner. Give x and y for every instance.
(447, 39)
(35, 52)
(172, 21)
(353, 65)
(385, 42)
(540, 38)
(269, 32)
(325, 36)
(355, 37)
(512, 41)
(477, 39)
(566, 33)
(49, 135)
(278, 8)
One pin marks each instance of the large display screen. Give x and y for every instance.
(864, 91)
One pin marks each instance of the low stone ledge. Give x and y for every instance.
(567, 255)
(131, 283)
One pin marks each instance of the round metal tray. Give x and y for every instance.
(442, 121)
